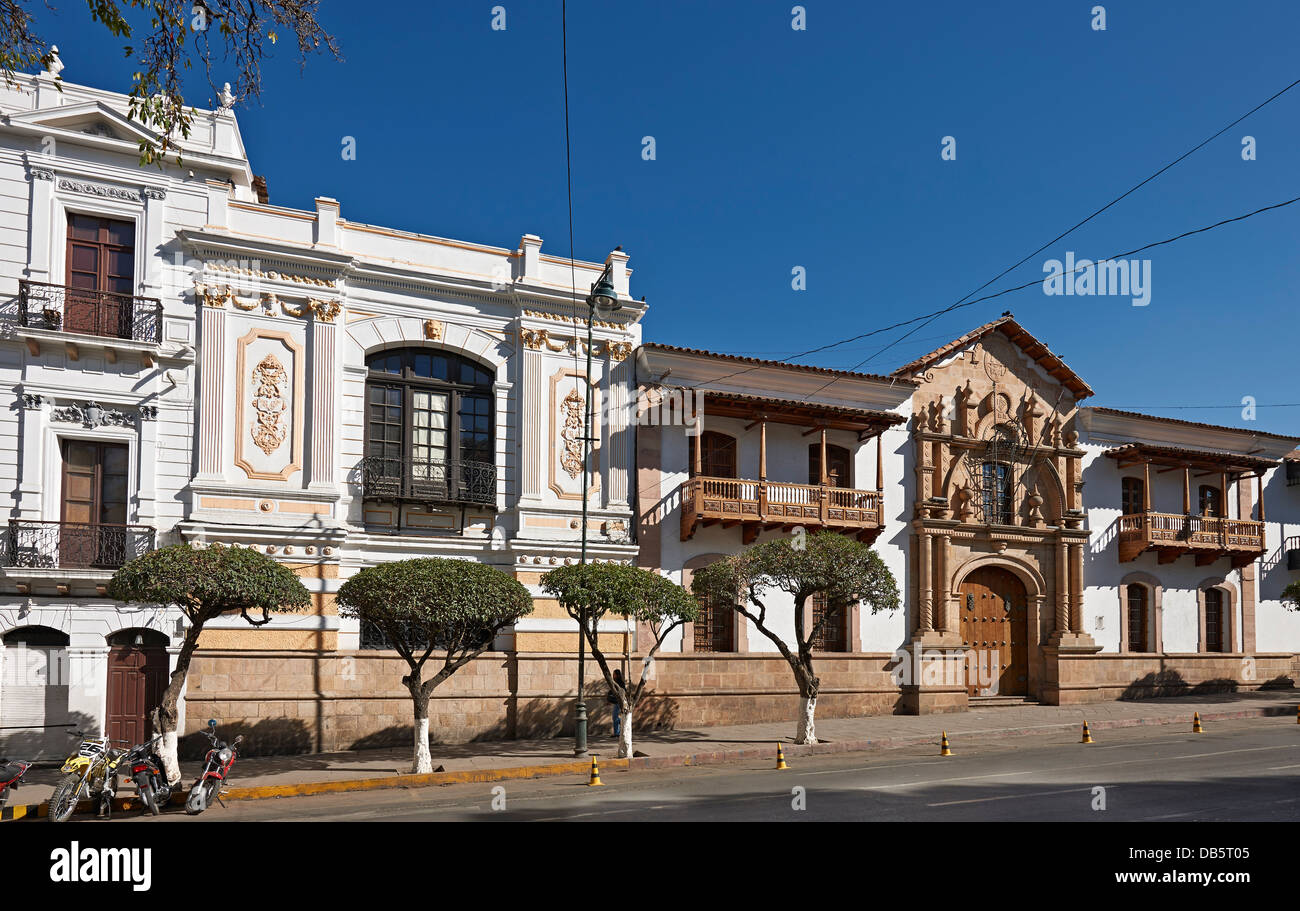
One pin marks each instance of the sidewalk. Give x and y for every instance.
(487, 760)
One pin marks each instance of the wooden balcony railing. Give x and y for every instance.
(1207, 537)
(757, 505)
(73, 545)
(63, 309)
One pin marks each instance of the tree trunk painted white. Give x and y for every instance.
(807, 732)
(423, 764)
(167, 753)
(625, 736)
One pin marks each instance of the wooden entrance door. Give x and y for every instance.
(994, 624)
(137, 676)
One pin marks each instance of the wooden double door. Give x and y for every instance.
(994, 610)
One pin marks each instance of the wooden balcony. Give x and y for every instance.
(1207, 538)
(760, 505)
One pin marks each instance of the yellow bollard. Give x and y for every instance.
(1087, 737)
(595, 775)
(943, 745)
(780, 759)
(1196, 723)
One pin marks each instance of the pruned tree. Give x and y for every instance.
(165, 39)
(1291, 596)
(843, 570)
(592, 591)
(455, 607)
(204, 582)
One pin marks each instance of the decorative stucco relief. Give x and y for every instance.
(269, 408)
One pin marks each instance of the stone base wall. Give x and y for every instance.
(302, 702)
(1107, 676)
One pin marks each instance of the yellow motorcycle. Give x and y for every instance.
(89, 773)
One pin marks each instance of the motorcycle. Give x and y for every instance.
(90, 773)
(215, 770)
(11, 772)
(147, 772)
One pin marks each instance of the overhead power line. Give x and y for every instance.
(926, 319)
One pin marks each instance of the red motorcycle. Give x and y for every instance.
(11, 770)
(216, 767)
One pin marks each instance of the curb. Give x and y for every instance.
(472, 776)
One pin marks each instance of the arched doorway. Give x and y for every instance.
(137, 676)
(994, 610)
(34, 703)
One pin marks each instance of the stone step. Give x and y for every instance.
(1000, 702)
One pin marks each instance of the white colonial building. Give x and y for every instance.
(187, 362)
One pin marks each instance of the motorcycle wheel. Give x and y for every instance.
(64, 799)
(147, 795)
(197, 802)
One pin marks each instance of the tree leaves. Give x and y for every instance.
(451, 603)
(614, 588)
(163, 52)
(208, 581)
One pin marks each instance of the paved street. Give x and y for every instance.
(1245, 770)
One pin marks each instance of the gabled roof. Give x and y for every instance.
(73, 117)
(1182, 423)
(762, 362)
(1032, 347)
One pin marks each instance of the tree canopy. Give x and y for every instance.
(453, 604)
(615, 588)
(1291, 596)
(207, 581)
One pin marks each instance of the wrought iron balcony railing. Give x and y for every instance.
(63, 309)
(73, 545)
(456, 481)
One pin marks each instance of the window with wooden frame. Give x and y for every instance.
(834, 633)
(100, 271)
(1210, 501)
(1139, 600)
(1215, 621)
(717, 454)
(839, 465)
(95, 493)
(429, 426)
(1132, 496)
(715, 627)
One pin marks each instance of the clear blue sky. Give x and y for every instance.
(821, 148)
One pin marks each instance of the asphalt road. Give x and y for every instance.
(1237, 771)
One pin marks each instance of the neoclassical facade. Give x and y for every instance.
(191, 363)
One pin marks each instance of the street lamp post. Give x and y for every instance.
(603, 299)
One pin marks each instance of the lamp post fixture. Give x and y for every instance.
(602, 299)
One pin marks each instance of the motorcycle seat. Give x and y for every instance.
(9, 771)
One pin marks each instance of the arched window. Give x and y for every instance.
(839, 465)
(429, 427)
(1139, 600)
(717, 454)
(834, 634)
(1132, 496)
(1215, 621)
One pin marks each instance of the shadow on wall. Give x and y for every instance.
(54, 743)
(1171, 683)
(272, 737)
